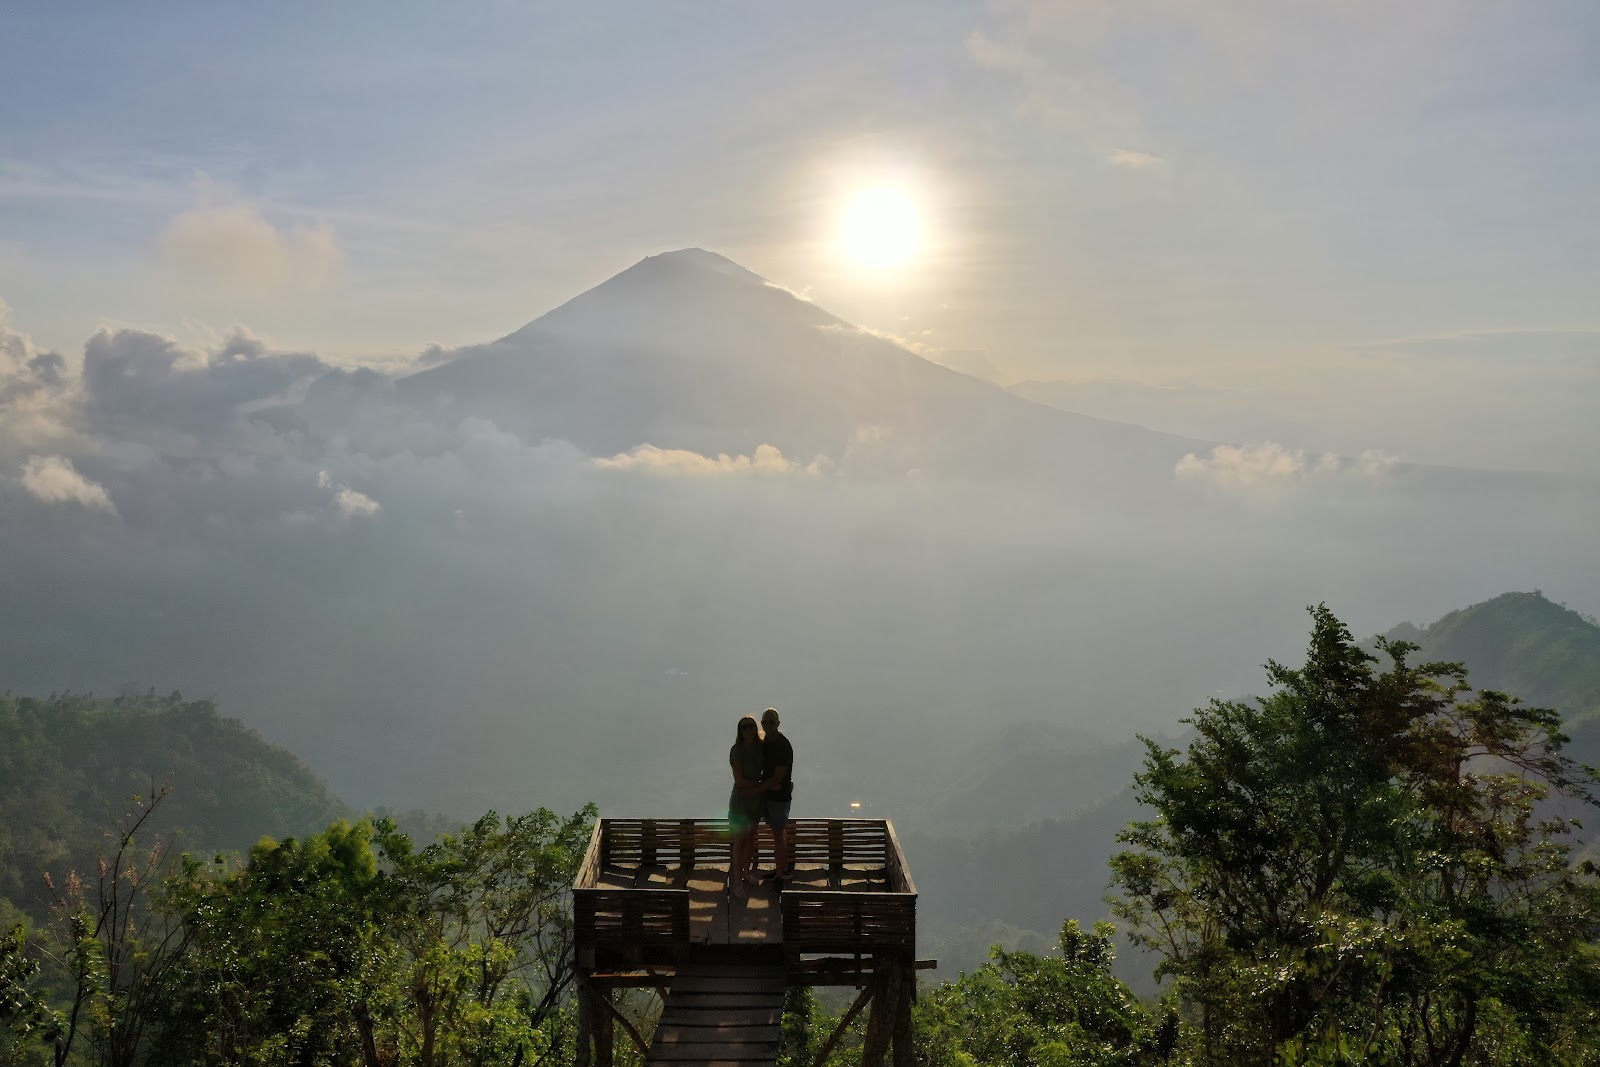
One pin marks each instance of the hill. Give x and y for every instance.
(70, 763)
(1528, 646)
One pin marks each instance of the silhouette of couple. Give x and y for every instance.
(762, 761)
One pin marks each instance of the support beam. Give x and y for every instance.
(604, 1031)
(614, 1013)
(904, 1052)
(585, 1022)
(844, 1024)
(880, 1024)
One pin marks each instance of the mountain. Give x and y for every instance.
(1519, 643)
(689, 350)
(1526, 645)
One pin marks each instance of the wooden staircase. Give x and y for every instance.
(723, 1009)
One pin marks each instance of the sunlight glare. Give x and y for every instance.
(881, 228)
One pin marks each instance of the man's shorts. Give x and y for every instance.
(777, 815)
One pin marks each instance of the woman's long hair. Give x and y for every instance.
(738, 738)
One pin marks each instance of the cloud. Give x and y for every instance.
(54, 480)
(1130, 159)
(134, 378)
(1268, 464)
(33, 388)
(803, 295)
(231, 247)
(348, 502)
(679, 461)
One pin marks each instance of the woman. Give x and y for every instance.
(745, 805)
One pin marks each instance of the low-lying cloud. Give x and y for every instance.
(766, 459)
(1268, 464)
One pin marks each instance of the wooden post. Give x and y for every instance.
(586, 1015)
(605, 1030)
(885, 1007)
(905, 975)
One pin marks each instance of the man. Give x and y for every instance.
(778, 756)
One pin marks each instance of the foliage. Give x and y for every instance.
(1353, 869)
(1044, 1011)
(798, 1038)
(283, 950)
(23, 1013)
(352, 947)
(116, 951)
(485, 934)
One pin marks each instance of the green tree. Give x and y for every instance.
(117, 951)
(485, 929)
(1361, 868)
(24, 1015)
(286, 949)
(352, 947)
(1044, 1011)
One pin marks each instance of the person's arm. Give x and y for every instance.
(744, 785)
(777, 778)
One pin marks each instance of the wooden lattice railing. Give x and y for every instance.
(650, 923)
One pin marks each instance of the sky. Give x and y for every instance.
(1376, 222)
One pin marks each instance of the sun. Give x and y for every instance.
(880, 228)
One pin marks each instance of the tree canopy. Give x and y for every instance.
(1365, 866)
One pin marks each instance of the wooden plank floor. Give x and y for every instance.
(723, 1010)
(717, 918)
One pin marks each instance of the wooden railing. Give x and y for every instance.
(618, 925)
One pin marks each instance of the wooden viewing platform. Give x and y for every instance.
(651, 910)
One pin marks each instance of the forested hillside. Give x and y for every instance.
(1528, 646)
(70, 763)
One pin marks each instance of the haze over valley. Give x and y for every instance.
(545, 569)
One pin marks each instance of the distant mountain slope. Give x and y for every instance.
(69, 765)
(1525, 645)
(689, 350)
(1520, 643)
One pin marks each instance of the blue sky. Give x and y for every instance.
(1276, 199)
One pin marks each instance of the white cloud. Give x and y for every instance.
(1245, 466)
(1133, 160)
(798, 294)
(1268, 464)
(348, 502)
(767, 459)
(233, 248)
(54, 480)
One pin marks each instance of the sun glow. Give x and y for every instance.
(880, 228)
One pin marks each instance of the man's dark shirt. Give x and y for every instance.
(777, 752)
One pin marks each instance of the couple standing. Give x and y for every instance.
(762, 761)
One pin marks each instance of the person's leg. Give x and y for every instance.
(736, 861)
(782, 841)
